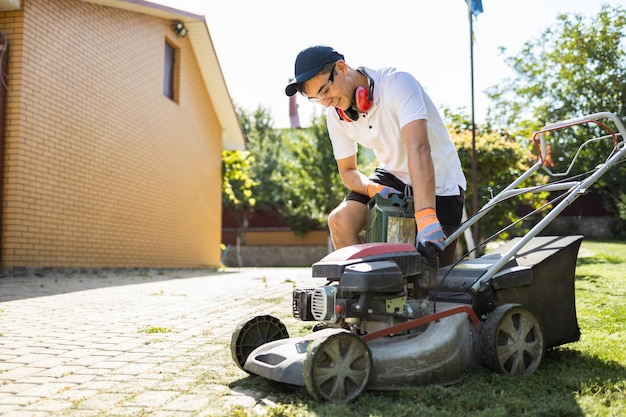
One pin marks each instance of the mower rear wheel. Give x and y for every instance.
(252, 333)
(512, 340)
(337, 367)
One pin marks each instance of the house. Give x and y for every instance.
(113, 117)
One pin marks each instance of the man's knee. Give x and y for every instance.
(334, 218)
(347, 220)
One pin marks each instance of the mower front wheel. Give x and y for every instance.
(512, 340)
(252, 333)
(337, 367)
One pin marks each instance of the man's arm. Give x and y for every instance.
(430, 235)
(421, 168)
(350, 175)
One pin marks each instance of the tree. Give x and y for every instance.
(238, 188)
(576, 67)
(265, 146)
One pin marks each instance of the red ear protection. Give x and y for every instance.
(363, 101)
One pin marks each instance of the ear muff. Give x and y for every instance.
(350, 115)
(363, 101)
(364, 96)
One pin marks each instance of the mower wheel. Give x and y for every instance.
(337, 367)
(252, 333)
(512, 340)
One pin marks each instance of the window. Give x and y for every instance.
(170, 73)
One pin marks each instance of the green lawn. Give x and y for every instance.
(586, 378)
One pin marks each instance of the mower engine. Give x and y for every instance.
(369, 287)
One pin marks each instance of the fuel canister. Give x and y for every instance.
(390, 220)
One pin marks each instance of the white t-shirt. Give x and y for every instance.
(398, 99)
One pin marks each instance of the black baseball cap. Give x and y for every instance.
(309, 62)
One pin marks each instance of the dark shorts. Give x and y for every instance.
(449, 208)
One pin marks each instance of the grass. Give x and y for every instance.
(153, 329)
(585, 378)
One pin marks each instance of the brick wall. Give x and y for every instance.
(100, 168)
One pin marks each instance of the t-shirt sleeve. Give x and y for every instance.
(407, 94)
(343, 146)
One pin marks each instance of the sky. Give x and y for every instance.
(257, 42)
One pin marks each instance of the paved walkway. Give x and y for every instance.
(134, 343)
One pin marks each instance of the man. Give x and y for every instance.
(388, 111)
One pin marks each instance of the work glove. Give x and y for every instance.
(383, 190)
(430, 235)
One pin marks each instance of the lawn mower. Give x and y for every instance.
(388, 317)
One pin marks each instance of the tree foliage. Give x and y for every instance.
(238, 185)
(294, 171)
(264, 144)
(576, 67)
(312, 186)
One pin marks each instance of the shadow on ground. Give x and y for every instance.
(47, 283)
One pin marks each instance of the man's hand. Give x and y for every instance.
(429, 231)
(383, 190)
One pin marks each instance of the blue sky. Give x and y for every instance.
(257, 41)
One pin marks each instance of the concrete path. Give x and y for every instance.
(133, 343)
